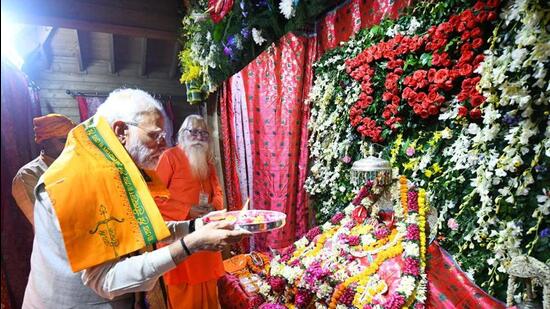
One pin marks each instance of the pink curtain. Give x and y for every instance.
(229, 148)
(275, 87)
(19, 106)
(87, 105)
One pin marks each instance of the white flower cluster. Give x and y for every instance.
(505, 82)
(410, 30)
(287, 8)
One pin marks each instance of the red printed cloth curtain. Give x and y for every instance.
(19, 106)
(229, 148)
(276, 84)
(340, 24)
(87, 106)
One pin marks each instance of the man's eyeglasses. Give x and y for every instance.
(196, 133)
(156, 136)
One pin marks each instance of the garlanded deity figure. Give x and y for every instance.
(374, 254)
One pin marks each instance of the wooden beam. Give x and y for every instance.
(174, 64)
(141, 19)
(143, 57)
(112, 59)
(82, 61)
(45, 35)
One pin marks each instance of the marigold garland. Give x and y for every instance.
(404, 190)
(422, 224)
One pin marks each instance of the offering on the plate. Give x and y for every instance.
(255, 221)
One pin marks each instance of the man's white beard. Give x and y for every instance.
(144, 157)
(198, 160)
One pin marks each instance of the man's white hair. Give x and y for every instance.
(128, 105)
(189, 122)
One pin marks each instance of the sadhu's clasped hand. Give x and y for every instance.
(214, 236)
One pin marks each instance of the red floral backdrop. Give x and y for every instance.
(19, 106)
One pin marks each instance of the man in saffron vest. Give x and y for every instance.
(189, 173)
(50, 132)
(94, 214)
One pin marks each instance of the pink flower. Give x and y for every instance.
(277, 284)
(303, 298)
(452, 224)
(288, 250)
(346, 159)
(347, 297)
(410, 151)
(285, 258)
(311, 234)
(272, 306)
(381, 232)
(354, 240)
(412, 266)
(395, 301)
(412, 201)
(296, 262)
(337, 218)
(350, 224)
(413, 232)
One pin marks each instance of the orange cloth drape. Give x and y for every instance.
(102, 201)
(203, 296)
(174, 170)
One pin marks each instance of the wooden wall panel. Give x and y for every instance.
(62, 76)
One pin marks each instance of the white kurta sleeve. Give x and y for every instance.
(133, 274)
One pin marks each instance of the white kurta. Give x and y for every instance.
(52, 284)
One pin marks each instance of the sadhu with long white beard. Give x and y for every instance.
(189, 173)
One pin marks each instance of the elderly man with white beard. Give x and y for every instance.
(95, 215)
(189, 173)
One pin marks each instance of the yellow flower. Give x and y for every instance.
(436, 169)
(411, 165)
(396, 147)
(428, 173)
(361, 229)
(191, 69)
(435, 138)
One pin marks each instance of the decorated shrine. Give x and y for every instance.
(373, 154)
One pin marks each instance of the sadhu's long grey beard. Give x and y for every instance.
(197, 154)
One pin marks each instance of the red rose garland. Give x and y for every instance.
(424, 90)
